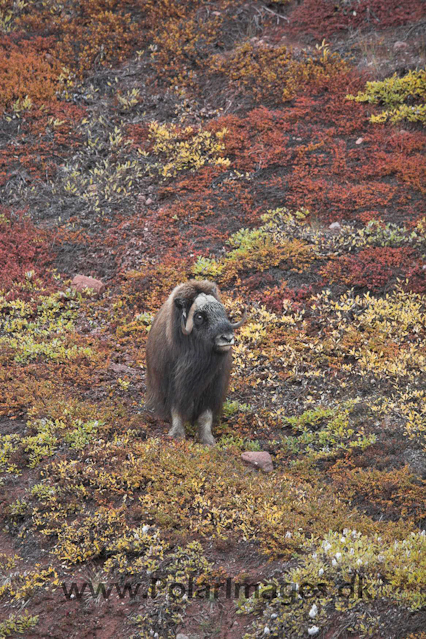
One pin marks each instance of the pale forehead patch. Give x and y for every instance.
(203, 300)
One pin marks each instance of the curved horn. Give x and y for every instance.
(242, 320)
(187, 328)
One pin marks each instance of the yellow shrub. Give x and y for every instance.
(393, 93)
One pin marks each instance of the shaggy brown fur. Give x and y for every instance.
(186, 375)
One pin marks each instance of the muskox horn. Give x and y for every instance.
(241, 322)
(189, 325)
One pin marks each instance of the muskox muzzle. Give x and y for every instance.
(224, 341)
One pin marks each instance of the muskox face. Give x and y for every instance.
(207, 321)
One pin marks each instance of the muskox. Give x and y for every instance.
(188, 358)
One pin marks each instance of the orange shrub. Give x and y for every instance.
(27, 70)
(275, 74)
(95, 32)
(102, 38)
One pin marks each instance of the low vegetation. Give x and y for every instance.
(148, 142)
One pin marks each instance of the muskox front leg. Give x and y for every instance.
(177, 430)
(204, 423)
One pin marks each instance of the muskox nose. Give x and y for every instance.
(224, 341)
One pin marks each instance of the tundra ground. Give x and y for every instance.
(278, 149)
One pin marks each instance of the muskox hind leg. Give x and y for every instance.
(204, 423)
(177, 430)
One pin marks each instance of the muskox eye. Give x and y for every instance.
(198, 318)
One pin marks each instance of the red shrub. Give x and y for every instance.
(371, 268)
(416, 278)
(24, 249)
(323, 18)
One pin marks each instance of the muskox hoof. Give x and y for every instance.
(177, 433)
(207, 440)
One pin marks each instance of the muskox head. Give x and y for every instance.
(206, 320)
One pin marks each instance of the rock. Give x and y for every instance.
(122, 368)
(261, 460)
(83, 282)
(181, 636)
(335, 227)
(359, 141)
(400, 46)
(149, 201)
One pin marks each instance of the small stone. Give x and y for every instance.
(335, 227)
(121, 368)
(313, 611)
(83, 282)
(181, 636)
(400, 46)
(149, 201)
(359, 141)
(261, 460)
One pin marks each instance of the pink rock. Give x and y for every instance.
(122, 368)
(261, 460)
(83, 282)
(149, 201)
(359, 141)
(335, 227)
(400, 46)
